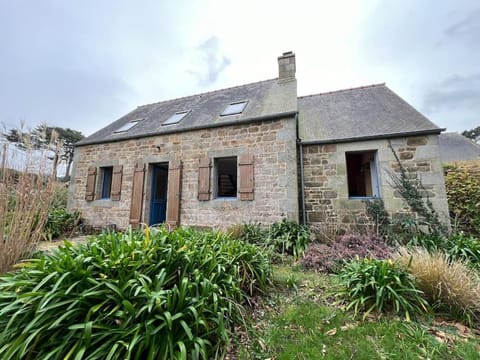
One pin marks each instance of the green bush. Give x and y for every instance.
(463, 194)
(60, 222)
(430, 242)
(61, 196)
(379, 285)
(158, 295)
(288, 237)
(253, 233)
(284, 237)
(465, 248)
(456, 247)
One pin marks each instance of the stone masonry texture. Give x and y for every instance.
(326, 187)
(272, 143)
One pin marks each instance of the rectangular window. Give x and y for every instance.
(176, 118)
(106, 182)
(234, 108)
(362, 174)
(127, 126)
(226, 177)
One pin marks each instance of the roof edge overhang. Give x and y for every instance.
(374, 137)
(194, 128)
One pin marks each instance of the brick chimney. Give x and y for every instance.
(286, 66)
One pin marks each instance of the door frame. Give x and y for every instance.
(153, 169)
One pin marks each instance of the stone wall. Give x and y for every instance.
(328, 205)
(275, 174)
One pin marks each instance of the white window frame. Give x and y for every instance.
(374, 174)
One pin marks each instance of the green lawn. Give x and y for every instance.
(301, 321)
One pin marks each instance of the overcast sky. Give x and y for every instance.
(83, 64)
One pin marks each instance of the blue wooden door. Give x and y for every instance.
(158, 202)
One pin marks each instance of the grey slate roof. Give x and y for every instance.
(366, 112)
(456, 147)
(360, 113)
(265, 99)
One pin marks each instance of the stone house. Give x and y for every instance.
(255, 153)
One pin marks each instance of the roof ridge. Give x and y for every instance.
(206, 93)
(343, 90)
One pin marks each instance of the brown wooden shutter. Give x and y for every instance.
(91, 178)
(117, 182)
(204, 179)
(245, 165)
(137, 195)
(174, 191)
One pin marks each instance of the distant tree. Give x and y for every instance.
(69, 137)
(60, 141)
(13, 135)
(473, 134)
(18, 137)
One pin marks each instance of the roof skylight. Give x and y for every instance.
(127, 126)
(176, 118)
(234, 108)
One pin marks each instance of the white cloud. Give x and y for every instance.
(83, 65)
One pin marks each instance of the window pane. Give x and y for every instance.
(362, 174)
(106, 182)
(235, 108)
(226, 177)
(127, 126)
(175, 118)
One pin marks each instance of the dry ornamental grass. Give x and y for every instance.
(27, 189)
(444, 282)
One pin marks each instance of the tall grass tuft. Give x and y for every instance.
(152, 295)
(283, 237)
(448, 284)
(379, 285)
(27, 189)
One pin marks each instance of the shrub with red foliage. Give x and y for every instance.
(328, 257)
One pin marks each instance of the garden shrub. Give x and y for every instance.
(379, 285)
(464, 247)
(329, 257)
(60, 222)
(288, 237)
(456, 247)
(430, 242)
(463, 193)
(253, 233)
(61, 196)
(447, 284)
(157, 295)
(284, 237)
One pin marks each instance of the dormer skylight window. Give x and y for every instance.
(176, 118)
(128, 126)
(234, 108)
